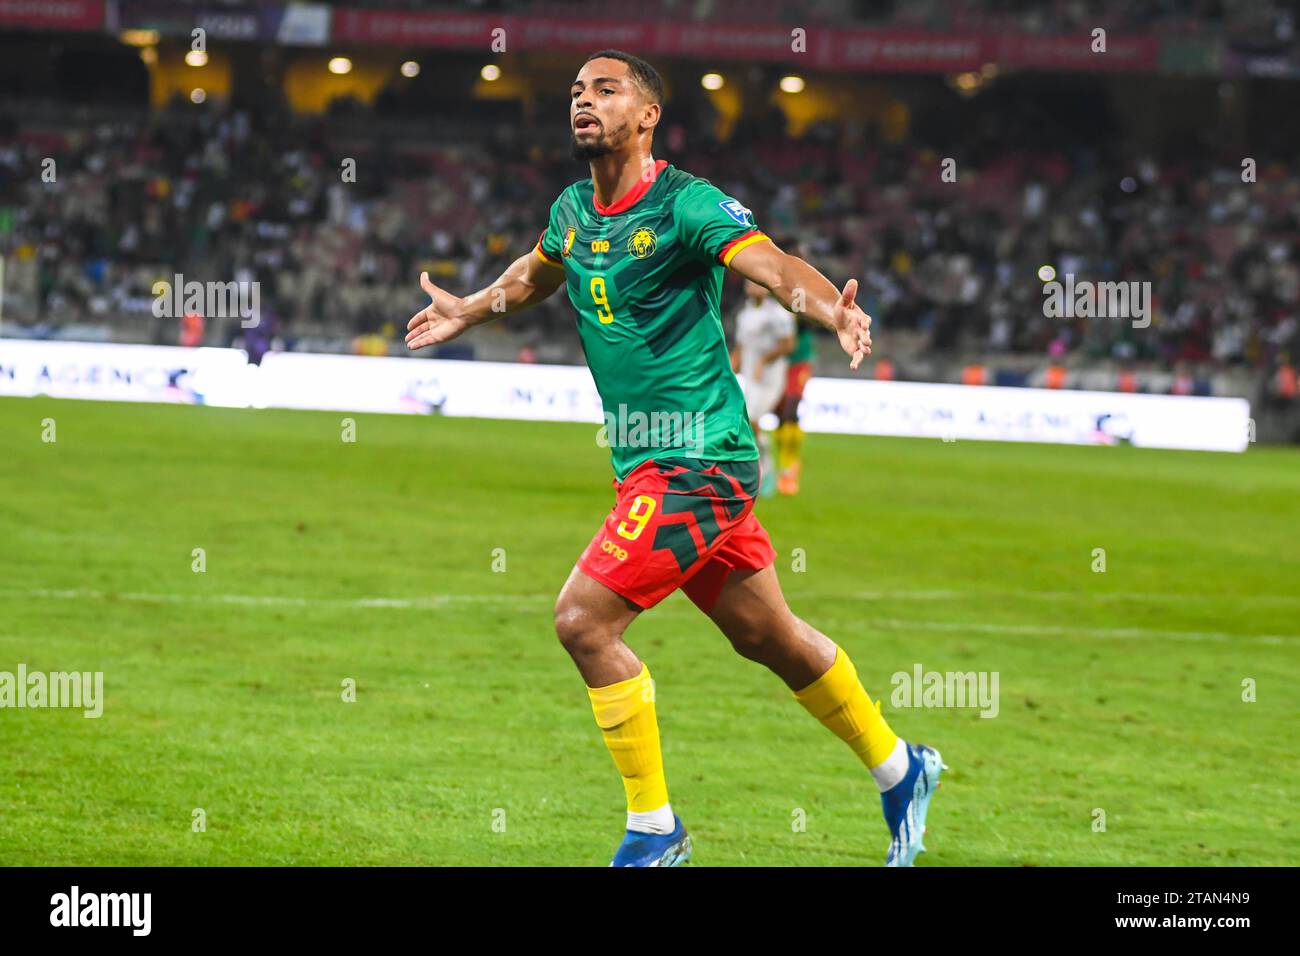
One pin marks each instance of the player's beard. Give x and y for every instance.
(602, 146)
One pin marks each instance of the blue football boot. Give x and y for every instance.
(906, 804)
(654, 849)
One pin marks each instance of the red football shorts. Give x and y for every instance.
(796, 378)
(679, 523)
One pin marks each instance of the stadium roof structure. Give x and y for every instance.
(815, 45)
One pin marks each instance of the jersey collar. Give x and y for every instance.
(629, 198)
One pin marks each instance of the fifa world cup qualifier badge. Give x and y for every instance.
(736, 211)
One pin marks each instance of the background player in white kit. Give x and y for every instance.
(764, 337)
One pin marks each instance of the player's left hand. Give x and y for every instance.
(852, 325)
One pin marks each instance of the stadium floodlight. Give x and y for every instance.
(340, 65)
(490, 72)
(792, 84)
(139, 37)
(410, 69)
(712, 81)
(196, 58)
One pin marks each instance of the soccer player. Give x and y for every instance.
(640, 247)
(764, 337)
(789, 434)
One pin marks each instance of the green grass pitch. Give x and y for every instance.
(471, 740)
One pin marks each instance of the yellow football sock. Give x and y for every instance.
(796, 444)
(840, 702)
(625, 713)
(785, 440)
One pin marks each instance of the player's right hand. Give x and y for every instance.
(440, 322)
(852, 325)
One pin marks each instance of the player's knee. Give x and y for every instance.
(748, 643)
(575, 627)
(751, 635)
(759, 636)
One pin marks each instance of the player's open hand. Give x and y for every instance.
(439, 322)
(852, 324)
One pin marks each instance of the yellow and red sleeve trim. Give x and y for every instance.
(541, 254)
(740, 242)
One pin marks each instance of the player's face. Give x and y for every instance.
(604, 108)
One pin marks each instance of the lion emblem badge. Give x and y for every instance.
(641, 244)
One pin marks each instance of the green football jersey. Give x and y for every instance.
(645, 278)
(804, 349)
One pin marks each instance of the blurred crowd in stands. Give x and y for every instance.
(92, 217)
(1257, 21)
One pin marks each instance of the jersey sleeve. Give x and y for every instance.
(712, 225)
(550, 243)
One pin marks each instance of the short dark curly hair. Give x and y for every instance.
(645, 75)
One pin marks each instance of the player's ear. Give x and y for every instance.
(650, 114)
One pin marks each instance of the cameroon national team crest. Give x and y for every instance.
(641, 244)
(568, 240)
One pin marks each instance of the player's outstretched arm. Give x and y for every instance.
(805, 291)
(526, 281)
